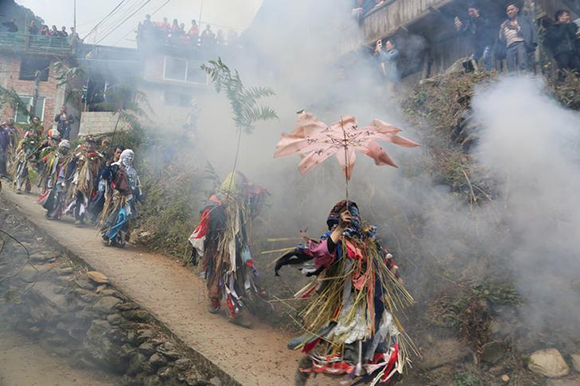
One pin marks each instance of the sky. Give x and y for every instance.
(226, 14)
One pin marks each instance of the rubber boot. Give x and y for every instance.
(301, 378)
(241, 320)
(214, 306)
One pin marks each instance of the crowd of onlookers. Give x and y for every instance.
(33, 29)
(515, 40)
(176, 34)
(44, 30)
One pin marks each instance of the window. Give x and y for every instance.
(174, 98)
(184, 70)
(21, 118)
(30, 64)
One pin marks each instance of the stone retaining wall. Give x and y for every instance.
(75, 313)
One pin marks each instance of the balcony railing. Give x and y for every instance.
(35, 43)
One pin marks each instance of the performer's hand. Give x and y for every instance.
(345, 219)
(303, 234)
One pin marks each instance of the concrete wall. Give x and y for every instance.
(100, 122)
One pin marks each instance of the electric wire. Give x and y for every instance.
(106, 17)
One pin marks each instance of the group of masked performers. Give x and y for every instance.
(79, 182)
(349, 317)
(350, 322)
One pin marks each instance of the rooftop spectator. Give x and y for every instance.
(361, 8)
(220, 38)
(54, 32)
(44, 30)
(194, 29)
(207, 37)
(147, 23)
(63, 33)
(477, 29)
(562, 38)
(518, 34)
(175, 26)
(164, 25)
(73, 34)
(10, 26)
(32, 28)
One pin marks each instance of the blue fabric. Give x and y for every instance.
(122, 219)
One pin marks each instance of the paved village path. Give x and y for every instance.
(176, 297)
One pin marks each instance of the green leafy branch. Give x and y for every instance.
(9, 96)
(242, 100)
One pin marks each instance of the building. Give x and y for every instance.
(424, 30)
(161, 77)
(26, 61)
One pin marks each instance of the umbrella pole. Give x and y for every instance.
(345, 158)
(235, 160)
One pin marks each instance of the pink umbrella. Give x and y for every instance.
(319, 141)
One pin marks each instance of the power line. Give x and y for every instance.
(130, 16)
(107, 16)
(122, 17)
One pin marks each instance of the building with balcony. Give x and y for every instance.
(424, 31)
(26, 60)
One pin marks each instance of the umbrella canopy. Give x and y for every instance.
(342, 139)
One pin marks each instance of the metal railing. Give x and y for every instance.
(41, 43)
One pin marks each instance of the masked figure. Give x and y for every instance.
(350, 315)
(88, 165)
(48, 149)
(120, 206)
(26, 154)
(221, 240)
(58, 180)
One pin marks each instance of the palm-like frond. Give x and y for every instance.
(243, 101)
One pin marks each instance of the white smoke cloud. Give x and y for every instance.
(531, 144)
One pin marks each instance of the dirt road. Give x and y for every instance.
(175, 296)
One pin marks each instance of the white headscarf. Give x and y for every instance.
(126, 159)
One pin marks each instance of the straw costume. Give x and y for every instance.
(350, 322)
(122, 193)
(88, 166)
(221, 241)
(58, 174)
(24, 159)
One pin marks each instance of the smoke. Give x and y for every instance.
(528, 143)
(531, 143)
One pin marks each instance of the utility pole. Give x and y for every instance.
(75, 15)
(35, 93)
(200, 12)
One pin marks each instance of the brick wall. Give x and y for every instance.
(9, 78)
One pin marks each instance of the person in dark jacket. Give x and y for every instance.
(561, 38)
(519, 35)
(64, 122)
(4, 142)
(32, 28)
(10, 26)
(478, 30)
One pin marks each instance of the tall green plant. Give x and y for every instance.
(244, 101)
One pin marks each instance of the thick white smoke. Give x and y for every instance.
(531, 144)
